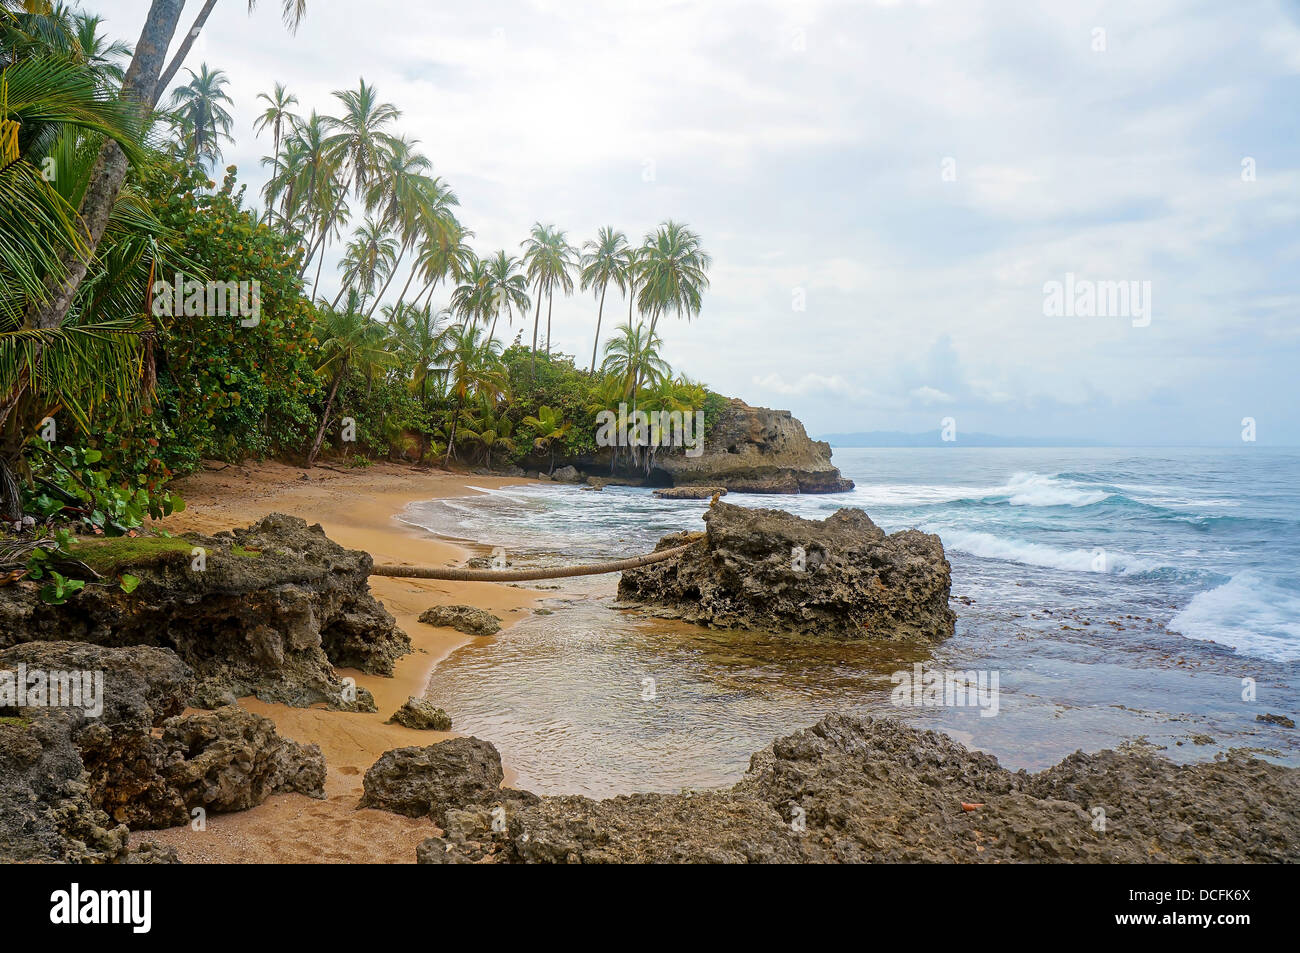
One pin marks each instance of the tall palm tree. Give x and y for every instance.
(507, 289)
(146, 78)
(548, 262)
(607, 258)
(672, 272)
(399, 193)
(52, 110)
(356, 146)
(444, 252)
(348, 341)
(199, 105)
(278, 116)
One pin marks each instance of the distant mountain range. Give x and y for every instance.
(934, 438)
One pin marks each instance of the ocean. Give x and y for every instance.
(1120, 595)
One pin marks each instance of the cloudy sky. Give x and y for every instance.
(885, 187)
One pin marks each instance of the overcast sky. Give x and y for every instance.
(885, 187)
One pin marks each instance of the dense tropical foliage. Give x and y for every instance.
(110, 197)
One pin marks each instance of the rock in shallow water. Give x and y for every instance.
(426, 782)
(690, 492)
(421, 714)
(465, 619)
(772, 571)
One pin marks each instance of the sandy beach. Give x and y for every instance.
(358, 509)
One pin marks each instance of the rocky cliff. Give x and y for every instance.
(746, 450)
(755, 450)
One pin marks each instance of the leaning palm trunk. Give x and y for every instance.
(109, 172)
(600, 312)
(101, 192)
(384, 290)
(325, 417)
(537, 317)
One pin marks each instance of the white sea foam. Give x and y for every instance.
(1249, 613)
(1035, 489)
(989, 546)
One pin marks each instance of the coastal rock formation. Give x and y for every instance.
(465, 619)
(426, 782)
(267, 611)
(75, 778)
(853, 790)
(421, 714)
(755, 450)
(772, 571)
(746, 450)
(690, 492)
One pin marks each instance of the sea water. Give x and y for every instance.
(1121, 596)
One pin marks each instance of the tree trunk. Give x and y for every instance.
(325, 417)
(110, 168)
(550, 303)
(165, 80)
(391, 275)
(599, 314)
(537, 317)
(316, 284)
(406, 287)
(106, 178)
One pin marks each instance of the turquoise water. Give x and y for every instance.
(1120, 594)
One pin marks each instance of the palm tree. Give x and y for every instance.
(632, 356)
(548, 261)
(277, 116)
(473, 371)
(399, 194)
(470, 298)
(357, 146)
(370, 255)
(348, 341)
(53, 111)
(489, 428)
(144, 81)
(608, 258)
(443, 253)
(199, 107)
(419, 335)
(507, 289)
(549, 426)
(672, 272)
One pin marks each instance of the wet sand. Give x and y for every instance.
(358, 509)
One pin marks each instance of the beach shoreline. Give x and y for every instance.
(358, 509)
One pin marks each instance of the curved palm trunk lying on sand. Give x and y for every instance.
(521, 575)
